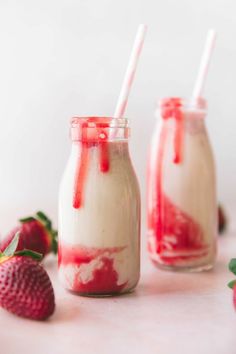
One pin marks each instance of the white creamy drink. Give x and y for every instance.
(99, 211)
(182, 207)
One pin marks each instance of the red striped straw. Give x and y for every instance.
(204, 66)
(130, 72)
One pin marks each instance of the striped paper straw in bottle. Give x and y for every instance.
(130, 72)
(204, 66)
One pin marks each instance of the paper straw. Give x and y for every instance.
(130, 72)
(204, 65)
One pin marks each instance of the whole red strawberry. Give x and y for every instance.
(36, 234)
(25, 288)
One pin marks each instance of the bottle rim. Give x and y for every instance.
(94, 129)
(99, 122)
(183, 103)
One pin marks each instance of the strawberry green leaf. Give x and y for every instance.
(43, 217)
(28, 219)
(10, 249)
(28, 253)
(44, 220)
(54, 242)
(48, 225)
(232, 265)
(231, 284)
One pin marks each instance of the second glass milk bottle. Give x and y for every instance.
(182, 208)
(99, 210)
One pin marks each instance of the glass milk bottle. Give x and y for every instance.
(182, 208)
(99, 210)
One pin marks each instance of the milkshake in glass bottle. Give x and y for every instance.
(182, 208)
(99, 210)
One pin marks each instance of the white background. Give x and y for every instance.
(61, 58)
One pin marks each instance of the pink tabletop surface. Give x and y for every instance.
(168, 313)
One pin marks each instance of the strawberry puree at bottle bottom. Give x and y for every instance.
(178, 236)
(90, 270)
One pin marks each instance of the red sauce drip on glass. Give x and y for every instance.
(171, 108)
(80, 176)
(95, 135)
(175, 230)
(104, 277)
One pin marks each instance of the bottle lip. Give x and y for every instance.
(182, 103)
(94, 129)
(99, 122)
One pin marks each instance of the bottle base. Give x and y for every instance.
(185, 268)
(101, 295)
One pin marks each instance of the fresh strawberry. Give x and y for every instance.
(25, 288)
(36, 234)
(232, 284)
(222, 220)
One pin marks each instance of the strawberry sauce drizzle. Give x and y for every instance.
(178, 236)
(93, 132)
(80, 176)
(99, 262)
(171, 108)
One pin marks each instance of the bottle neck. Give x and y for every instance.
(175, 106)
(178, 120)
(184, 115)
(115, 149)
(190, 121)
